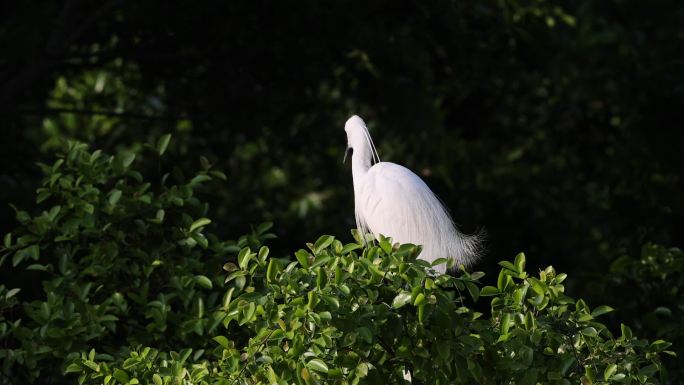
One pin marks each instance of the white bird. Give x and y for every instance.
(391, 200)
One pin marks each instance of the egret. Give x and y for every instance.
(391, 200)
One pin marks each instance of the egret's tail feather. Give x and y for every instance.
(473, 247)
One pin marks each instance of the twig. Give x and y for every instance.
(261, 345)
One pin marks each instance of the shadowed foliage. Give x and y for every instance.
(553, 125)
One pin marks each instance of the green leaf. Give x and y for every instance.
(274, 268)
(503, 281)
(206, 165)
(276, 334)
(94, 156)
(489, 291)
(200, 240)
(519, 294)
(649, 370)
(321, 278)
(228, 297)
(385, 245)
(12, 292)
(473, 290)
(589, 331)
(163, 143)
(660, 345)
(561, 277)
(73, 368)
(198, 179)
(37, 267)
(361, 370)
(240, 282)
(32, 252)
(609, 371)
(537, 286)
(121, 376)
(529, 321)
(248, 313)
(218, 174)
(505, 324)
(420, 298)
(54, 211)
(199, 223)
(509, 266)
(263, 254)
(526, 354)
(349, 247)
(365, 334)
(203, 281)
(127, 159)
(89, 208)
(303, 258)
(601, 310)
(43, 196)
(114, 196)
(421, 313)
(476, 275)
(401, 299)
(318, 365)
(429, 283)
(223, 341)
(264, 227)
(439, 261)
(520, 262)
(663, 311)
(243, 257)
(156, 378)
(313, 299)
(230, 267)
(323, 242)
(184, 354)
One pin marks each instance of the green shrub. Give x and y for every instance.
(133, 292)
(654, 284)
(345, 314)
(121, 261)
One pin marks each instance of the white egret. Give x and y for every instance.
(391, 200)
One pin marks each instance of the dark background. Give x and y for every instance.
(553, 125)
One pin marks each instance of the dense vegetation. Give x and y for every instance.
(136, 290)
(553, 125)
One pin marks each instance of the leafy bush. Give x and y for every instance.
(133, 292)
(121, 260)
(338, 315)
(654, 283)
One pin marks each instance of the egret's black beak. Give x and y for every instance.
(349, 152)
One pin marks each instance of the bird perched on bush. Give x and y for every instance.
(391, 200)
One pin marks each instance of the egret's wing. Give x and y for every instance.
(396, 203)
(393, 201)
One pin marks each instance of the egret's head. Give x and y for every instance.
(354, 129)
(359, 140)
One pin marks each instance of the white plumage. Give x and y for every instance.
(391, 200)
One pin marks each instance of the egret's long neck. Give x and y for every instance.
(361, 159)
